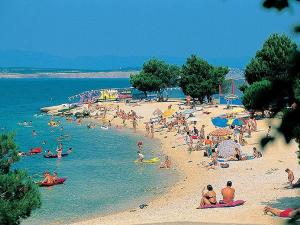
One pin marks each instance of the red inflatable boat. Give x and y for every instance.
(59, 181)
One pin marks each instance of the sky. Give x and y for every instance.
(213, 29)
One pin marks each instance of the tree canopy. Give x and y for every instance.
(155, 75)
(19, 195)
(273, 61)
(201, 80)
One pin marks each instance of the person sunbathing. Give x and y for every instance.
(48, 179)
(228, 193)
(208, 198)
(287, 213)
(237, 156)
(256, 153)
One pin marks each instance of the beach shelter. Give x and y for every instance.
(226, 148)
(219, 122)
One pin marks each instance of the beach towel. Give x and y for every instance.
(218, 205)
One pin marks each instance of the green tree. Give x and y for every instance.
(273, 61)
(199, 79)
(19, 195)
(156, 76)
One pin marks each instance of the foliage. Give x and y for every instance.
(273, 61)
(255, 95)
(199, 79)
(155, 75)
(19, 195)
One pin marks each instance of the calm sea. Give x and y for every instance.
(101, 175)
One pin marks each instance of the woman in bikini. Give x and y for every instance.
(208, 198)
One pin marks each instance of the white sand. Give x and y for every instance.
(258, 182)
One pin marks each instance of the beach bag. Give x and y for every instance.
(205, 154)
(224, 165)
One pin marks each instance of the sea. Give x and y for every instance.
(101, 175)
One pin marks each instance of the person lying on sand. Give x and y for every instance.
(208, 198)
(228, 193)
(237, 156)
(166, 164)
(287, 213)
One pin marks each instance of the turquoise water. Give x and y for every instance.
(101, 175)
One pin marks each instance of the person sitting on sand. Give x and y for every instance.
(208, 198)
(214, 160)
(228, 193)
(287, 213)
(256, 153)
(291, 176)
(48, 179)
(166, 164)
(237, 155)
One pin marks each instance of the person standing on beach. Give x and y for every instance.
(152, 130)
(147, 127)
(228, 193)
(202, 132)
(134, 124)
(269, 131)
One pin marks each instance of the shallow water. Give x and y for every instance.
(101, 175)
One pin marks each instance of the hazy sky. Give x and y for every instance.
(71, 28)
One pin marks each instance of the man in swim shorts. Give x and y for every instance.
(228, 193)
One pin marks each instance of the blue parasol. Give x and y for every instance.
(219, 122)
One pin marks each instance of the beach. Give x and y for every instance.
(259, 182)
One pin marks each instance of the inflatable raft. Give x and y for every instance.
(59, 181)
(153, 160)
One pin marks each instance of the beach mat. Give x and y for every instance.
(231, 204)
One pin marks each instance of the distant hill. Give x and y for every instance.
(24, 61)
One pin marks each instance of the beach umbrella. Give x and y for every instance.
(226, 148)
(219, 122)
(168, 113)
(236, 122)
(221, 132)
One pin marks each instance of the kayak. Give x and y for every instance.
(59, 181)
(153, 160)
(55, 156)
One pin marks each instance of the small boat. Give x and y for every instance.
(104, 127)
(59, 181)
(55, 156)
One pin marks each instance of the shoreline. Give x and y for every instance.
(179, 201)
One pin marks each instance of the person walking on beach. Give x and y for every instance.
(269, 132)
(134, 124)
(228, 193)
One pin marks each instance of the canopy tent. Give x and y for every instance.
(219, 122)
(226, 148)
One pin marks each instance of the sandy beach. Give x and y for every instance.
(259, 182)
